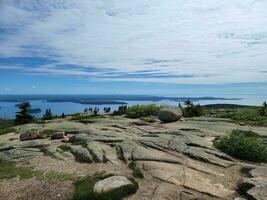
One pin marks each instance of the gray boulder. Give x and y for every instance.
(30, 135)
(111, 183)
(169, 114)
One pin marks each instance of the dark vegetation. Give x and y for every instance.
(137, 172)
(245, 145)
(84, 189)
(191, 110)
(251, 115)
(79, 116)
(24, 116)
(142, 111)
(48, 114)
(6, 126)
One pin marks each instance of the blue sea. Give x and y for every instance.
(70, 104)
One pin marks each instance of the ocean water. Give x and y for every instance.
(8, 109)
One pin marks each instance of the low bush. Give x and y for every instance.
(142, 111)
(192, 110)
(81, 117)
(5, 123)
(39, 121)
(84, 189)
(243, 145)
(6, 130)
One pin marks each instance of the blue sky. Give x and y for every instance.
(171, 47)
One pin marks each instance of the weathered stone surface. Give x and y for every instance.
(30, 135)
(111, 183)
(207, 155)
(95, 148)
(259, 171)
(258, 192)
(81, 154)
(19, 153)
(34, 144)
(58, 136)
(189, 178)
(169, 114)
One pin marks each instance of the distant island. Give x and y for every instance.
(102, 99)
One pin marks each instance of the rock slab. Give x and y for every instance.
(111, 183)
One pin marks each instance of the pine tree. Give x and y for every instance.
(48, 114)
(23, 116)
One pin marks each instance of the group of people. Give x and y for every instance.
(95, 110)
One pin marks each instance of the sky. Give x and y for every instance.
(202, 47)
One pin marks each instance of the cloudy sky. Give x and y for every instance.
(140, 46)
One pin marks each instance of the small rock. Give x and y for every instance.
(170, 114)
(58, 136)
(111, 183)
(30, 135)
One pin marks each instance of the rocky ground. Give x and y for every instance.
(178, 160)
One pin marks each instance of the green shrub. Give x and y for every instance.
(39, 121)
(5, 123)
(80, 117)
(192, 110)
(243, 145)
(142, 111)
(249, 115)
(85, 186)
(6, 130)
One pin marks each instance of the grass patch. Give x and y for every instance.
(48, 132)
(64, 147)
(84, 189)
(39, 121)
(244, 145)
(142, 111)
(6, 130)
(79, 117)
(6, 126)
(60, 176)
(9, 170)
(5, 123)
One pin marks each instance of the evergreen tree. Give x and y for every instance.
(263, 109)
(48, 114)
(23, 116)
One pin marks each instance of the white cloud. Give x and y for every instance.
(215, 41)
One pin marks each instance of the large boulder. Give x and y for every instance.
(111, 183)
(30, 135)
(169, 114)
